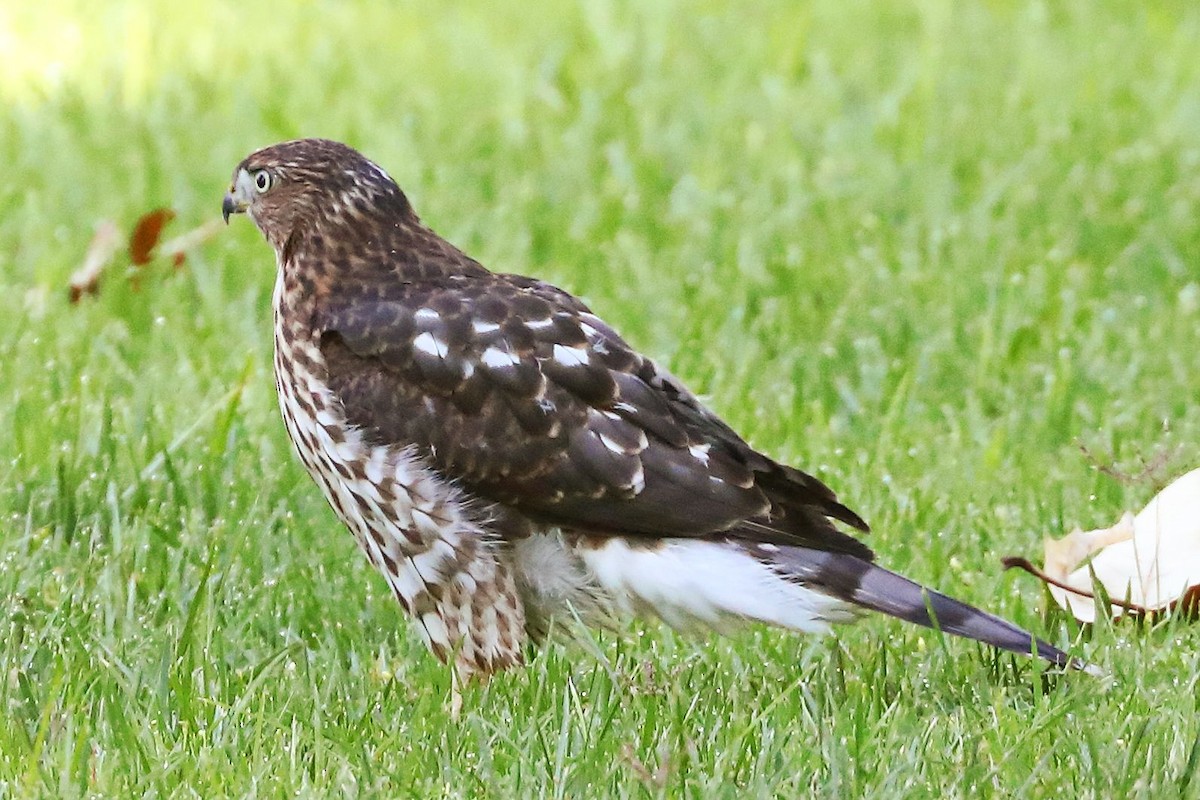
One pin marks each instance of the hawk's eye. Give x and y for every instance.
(262, 180)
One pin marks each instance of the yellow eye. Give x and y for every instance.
(262, 180)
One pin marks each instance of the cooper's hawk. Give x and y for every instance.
(503, 457)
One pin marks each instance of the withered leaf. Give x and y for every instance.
(145, 234)
(177, 248)
(86, 279)
(1146, 563)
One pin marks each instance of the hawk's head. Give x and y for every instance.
(299, 186)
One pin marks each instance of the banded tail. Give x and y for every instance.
(871, 586)
(710, 583)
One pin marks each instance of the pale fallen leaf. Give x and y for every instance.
(104, 245)
(1146, 563)
(176, 249)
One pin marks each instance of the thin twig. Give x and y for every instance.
(1148, 473)
(1023, 563)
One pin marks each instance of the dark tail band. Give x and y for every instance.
(863, 583)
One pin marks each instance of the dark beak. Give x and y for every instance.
(229, 206)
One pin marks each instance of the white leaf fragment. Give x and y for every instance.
(1150, 560)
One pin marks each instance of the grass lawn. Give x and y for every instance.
(925, 251)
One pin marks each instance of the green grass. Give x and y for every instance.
(924, 250)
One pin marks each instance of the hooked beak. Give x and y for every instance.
(230, 206)
(237, 199)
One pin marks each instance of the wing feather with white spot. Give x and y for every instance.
(516, 390)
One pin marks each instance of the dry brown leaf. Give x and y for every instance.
(145, 234)
(104, 244)
(142, 244)
(1146, 563)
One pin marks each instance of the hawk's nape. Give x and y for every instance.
(504, 457)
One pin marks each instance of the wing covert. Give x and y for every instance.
(515, 389)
